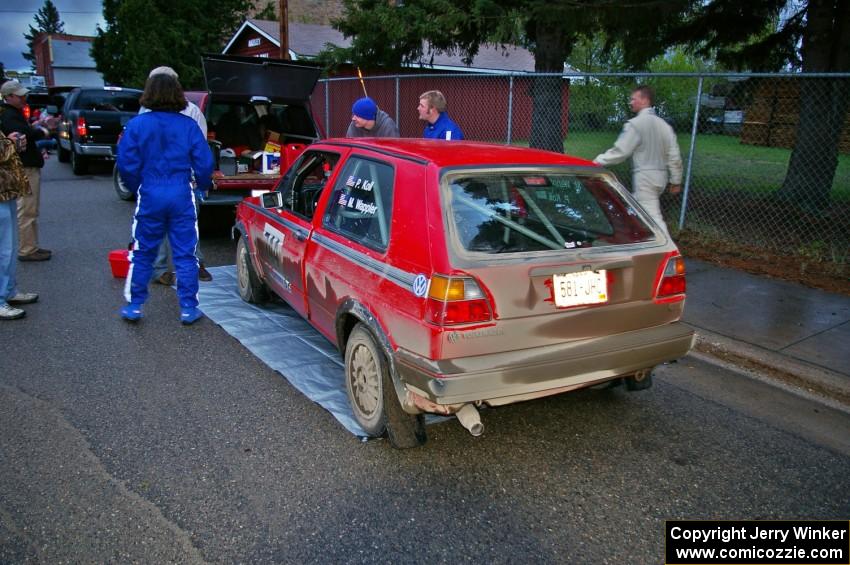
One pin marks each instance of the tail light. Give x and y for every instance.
(27, 111)
(456, 300)
(671, 285)
(82, 130)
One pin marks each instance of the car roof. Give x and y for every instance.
(108, 89)
(459, 153)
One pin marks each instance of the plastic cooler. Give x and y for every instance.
(120, 263)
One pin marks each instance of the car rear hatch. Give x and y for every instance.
(277, 80)
(558, 255)
(250, 99)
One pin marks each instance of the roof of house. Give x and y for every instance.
(72, 53)
(307, 40)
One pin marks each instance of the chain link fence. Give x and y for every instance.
(766, 156)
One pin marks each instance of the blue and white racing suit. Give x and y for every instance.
(156, 157)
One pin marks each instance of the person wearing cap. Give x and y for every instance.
(12, 120)
(367, 120)
(161, 273)
(432, 111)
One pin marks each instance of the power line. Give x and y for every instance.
(4, 11)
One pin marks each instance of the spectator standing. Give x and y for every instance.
(367, 120)
(652, 145)
(161, 273)
(13, 185)
(158, 155)
(438, 125)
(12, 120)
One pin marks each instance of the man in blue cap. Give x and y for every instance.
(367, 120)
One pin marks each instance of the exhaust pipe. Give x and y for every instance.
(470, 419)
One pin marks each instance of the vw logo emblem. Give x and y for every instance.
(420, 285)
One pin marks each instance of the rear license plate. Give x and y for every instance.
(576, 289)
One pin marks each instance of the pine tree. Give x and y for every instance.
(47, 21)
(143, 34)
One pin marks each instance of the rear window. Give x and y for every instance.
(109, 100)
(512, 212)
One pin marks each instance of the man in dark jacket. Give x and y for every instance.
(367, 120)
(12, 120)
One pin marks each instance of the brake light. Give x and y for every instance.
(671, 280)
(456, 300)
(82, 130)
(27, 111)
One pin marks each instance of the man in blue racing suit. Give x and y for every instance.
(157, 155)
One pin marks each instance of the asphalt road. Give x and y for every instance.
(161, 443)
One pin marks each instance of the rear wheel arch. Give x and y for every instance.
(369, 380)
(349, 314)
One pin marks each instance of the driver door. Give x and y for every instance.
(286, 235)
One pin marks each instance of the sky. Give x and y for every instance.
(80, 17)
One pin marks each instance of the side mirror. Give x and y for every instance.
(272, 199)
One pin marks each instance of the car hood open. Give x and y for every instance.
(275, 79)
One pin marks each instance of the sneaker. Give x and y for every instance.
(11, 313)
(23, 298)
(167, 278)
(132, 312)
(204, 274)
(190, 315)
(37, 255)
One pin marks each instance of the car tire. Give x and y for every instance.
(78, 163)
(372, 395)
(123, 192)
(63, 155)
(251, 288)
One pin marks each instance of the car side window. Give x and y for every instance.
(361, 204)
(303, 183)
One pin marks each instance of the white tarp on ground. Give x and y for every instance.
(284, 341)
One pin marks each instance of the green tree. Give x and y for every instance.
(47, 21)
(388, 34)
(812, 35)
(269, 13)
(143, 34)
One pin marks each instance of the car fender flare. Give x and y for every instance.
(240, 228)
(366, 317)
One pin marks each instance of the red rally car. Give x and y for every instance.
(455, 275)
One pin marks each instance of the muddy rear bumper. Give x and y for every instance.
(503, 378)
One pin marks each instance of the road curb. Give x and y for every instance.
(788, 370)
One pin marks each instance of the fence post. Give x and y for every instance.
(694, 128)
(396, 99)
(510, 108)
(327, 108)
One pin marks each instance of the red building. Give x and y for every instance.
(479, 100)
(65, 60)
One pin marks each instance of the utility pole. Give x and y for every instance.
(283, 27)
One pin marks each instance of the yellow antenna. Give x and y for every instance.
(363, 84)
